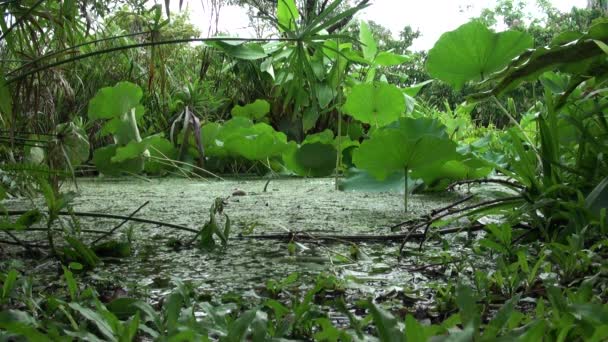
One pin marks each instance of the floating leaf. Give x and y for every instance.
(254, 111)
(378, 103)
(473, 52)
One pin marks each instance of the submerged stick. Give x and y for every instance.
(111, 216)
(111, 231)
(303, 236)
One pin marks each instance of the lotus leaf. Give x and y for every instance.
(469, 167)
(257, 142)
(378, 104)
(255, 111)
(473, 52)
(102, 158)
(114, 102)
(162, 148)
(403, 147)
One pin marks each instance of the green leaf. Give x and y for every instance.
(71, 144)
(416, 88)
(386, 325)
(95, 318)
(469, 312)
(249, 51)
(287, 15)
(388, 59)
(257, 142)
(124, 307)
(102, 158)
(473, 52)
(159, 147)
(311, 159)
(369, 46)
(378, 104)
(414, 331)
(9, 284)
(254, 111)
(113, 249)
(113, 102)
(6, 100)
(395, 149)
(358, 180)
(71, 283)
(29, 218)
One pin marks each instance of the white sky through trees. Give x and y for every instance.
(431, 17)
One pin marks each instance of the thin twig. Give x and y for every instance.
(120, 224)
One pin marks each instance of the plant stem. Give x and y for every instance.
(405, 193)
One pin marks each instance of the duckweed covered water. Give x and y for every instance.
(244, 267)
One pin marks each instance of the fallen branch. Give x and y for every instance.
(111, 216)
(121, 224)
(486, 181)
(303, 236)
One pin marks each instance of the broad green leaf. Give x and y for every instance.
(359, 180)
(113, 102)
(102, 158)
(325, 94)
(287, 15)
(257, 142)
(473, 53)
(312, 159)
(368, 42)
(254, 111)
(388, 59)
(395, 149)
(386, 324)
(453, 170)
(378, 104)
(414, 331)
(162, 148)
(416, 88)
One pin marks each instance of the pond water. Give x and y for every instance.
(303, 205)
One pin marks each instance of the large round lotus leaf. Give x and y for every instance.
(255, 111)
(378, 104)
(257, 142)
(473, 52)
(417, 127)
(453, 170)
(162, 148)
(112, 102)
(311, 160)
(392, 149)
(359, 180)
(102, 158)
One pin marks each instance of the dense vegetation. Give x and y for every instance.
(123, 89)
